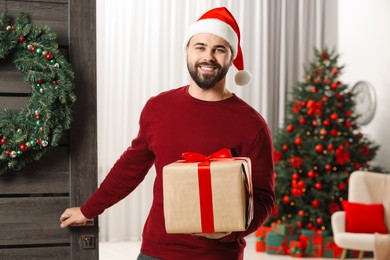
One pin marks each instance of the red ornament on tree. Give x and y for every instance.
(296, 162)
(318, 186)
(286, 199)
(333, 132)
(333, 86)
(311, 174)
(319, 148)
(277, 156)
(326, 80)
(290, 128)
(299, 224)
(315, 203)
(298, 141)
(334, 116)
(326, 122)
(296, 107)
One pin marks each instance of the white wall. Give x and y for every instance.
(364, 45)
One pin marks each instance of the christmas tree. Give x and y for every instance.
(318, 147)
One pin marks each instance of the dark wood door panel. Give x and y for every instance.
(41, 253)
(48, 175)
(11, 79)
(32, 221)
(14, 104)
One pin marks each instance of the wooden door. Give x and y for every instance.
(32, 199)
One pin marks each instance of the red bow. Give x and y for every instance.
(198, 157)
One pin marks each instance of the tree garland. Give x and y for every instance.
(26, 136)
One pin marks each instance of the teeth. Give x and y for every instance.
(207, 68)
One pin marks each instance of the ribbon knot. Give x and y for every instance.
(198, 157)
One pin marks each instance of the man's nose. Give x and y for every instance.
(209, 55)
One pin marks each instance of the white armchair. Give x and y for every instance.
(368, 188)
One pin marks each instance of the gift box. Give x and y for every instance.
(282, 228)
(331, 250)
(262, 231)
(276, 244)
(279, 244)
(297, 248)
(261, 245)
(261, 235)
(313, 242)
(208, 194)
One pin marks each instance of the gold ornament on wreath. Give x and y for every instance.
(27, 135)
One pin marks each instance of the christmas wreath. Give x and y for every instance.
(25, 136)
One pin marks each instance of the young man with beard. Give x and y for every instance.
(203, 117)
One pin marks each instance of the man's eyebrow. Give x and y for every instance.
(215, 46)
(220, 46)
(200, 43)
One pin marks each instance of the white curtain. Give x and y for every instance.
(140, 53)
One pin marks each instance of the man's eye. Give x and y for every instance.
(199, 48)
(220, 50)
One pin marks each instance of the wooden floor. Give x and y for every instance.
(129, 251)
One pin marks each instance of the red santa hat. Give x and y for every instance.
(219, 21)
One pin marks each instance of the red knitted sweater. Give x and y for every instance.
(172, 123)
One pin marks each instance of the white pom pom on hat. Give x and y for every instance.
(219, 21)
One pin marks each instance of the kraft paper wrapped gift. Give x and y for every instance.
(210, 195)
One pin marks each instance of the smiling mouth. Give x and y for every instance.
(207, 68)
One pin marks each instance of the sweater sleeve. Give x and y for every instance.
(126, 174)
(263, 182)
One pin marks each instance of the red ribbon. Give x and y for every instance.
(205, 189)
(198, 157)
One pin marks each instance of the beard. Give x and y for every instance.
(206, 81)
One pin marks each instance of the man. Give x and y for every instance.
(201, 117)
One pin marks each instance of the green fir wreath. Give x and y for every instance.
(26, 136)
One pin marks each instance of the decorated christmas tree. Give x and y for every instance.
(318, 147)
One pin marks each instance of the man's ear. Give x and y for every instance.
(231, 61)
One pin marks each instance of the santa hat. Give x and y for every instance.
(220, 22)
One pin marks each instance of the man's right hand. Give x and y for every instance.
(73, 217)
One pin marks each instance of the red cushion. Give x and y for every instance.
(364, 218)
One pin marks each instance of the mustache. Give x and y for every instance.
(211, 63)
